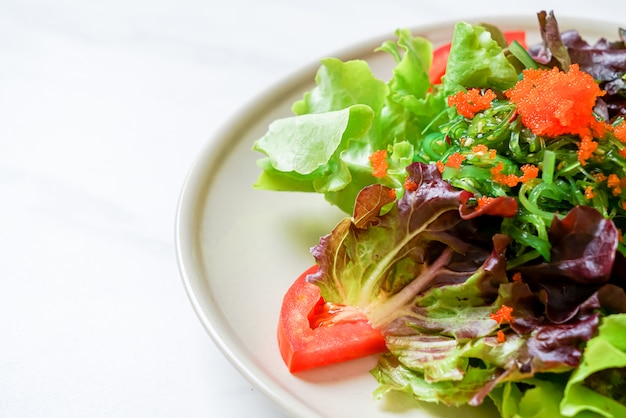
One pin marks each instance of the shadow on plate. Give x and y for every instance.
(337, 373)
(402, 403)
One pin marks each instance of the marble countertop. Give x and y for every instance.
(104, 106)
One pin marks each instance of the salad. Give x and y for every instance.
(482, 254)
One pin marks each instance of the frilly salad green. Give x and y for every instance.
(486, 210)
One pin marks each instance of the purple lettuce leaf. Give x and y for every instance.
(604, 60)
(379, 263)
(584, 244)
(552, 52)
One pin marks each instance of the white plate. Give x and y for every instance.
(239, 249)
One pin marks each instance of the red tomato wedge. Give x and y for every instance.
(440, 55)
(304, 339)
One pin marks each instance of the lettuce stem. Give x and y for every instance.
(384, 313)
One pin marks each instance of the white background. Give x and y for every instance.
(103, 107)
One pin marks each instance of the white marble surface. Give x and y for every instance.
(103, 107)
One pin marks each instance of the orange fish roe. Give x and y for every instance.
(481, 151)
(589, 193)
(378, 160)
(501, 337)
(586, 148)
(410, 185)
(510, 180)
(392, 193)
(503, 314)
(614, 182)
(480, 148)
(529, 172)
(553, 103)
(455, 160)
(440, 166)
(620, 132)
(472, 101)
(517, 277)
(484, 201)
(599, 177)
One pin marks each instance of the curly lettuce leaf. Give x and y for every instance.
(361, 266)
(595, 389)
(413, 56)
(477, 60)
(408, 271)
(552, 52)
(446, 342)
(539, 398)
(394, 376)
(599, 384)
(342, 84)
(325, 148)
(413, 105)
(305, 149)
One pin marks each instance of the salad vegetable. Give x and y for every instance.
(306, 337)
(483, 252)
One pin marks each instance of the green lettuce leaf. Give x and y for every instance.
(325, 147)
(347, 116)
(411, 81)
(306, 148)
(414, 107)
(477, 60)
(539, 398)
(599, 384)
(594, 389)
(340, 85)
(350, 114)
(394, 376)
(444, 347)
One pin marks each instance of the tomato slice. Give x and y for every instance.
(309, 338)
(516, 35)
(438, 66)
(441, 54)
